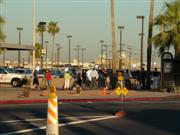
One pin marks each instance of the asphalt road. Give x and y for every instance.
(142, 118)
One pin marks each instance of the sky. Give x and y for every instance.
(88, 21)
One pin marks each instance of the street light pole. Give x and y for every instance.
(142, 35)
(19, 29)
(83, 49)
(120, 47)
(57, 54)
(130, 54)
(106, 54)
(101, 41)
(78, 47)
(42, 26)
(46, 52)
(23, 62)
(69, 37)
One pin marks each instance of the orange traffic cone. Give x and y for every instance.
(104, 92)
(120, 114)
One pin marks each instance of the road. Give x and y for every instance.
(142, 118)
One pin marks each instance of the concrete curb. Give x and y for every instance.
(78, 100)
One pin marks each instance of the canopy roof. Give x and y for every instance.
(8, 46)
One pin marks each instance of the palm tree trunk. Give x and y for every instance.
(113, 38)
(52, 53)
(41, 50)
(149, 48)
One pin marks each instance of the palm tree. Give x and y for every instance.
(41, 29)
(169, 26)
(53, 29)
(38, 51)
(2, 35)
(149, 48)
(169, 35)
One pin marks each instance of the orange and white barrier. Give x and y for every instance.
(52, 116)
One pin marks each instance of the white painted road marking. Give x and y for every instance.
(70, 123)
(66, 118)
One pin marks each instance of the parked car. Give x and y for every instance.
(16, 80)
(24, 71)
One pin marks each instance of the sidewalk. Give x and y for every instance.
(10, 95)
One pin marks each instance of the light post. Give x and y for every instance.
(106, 55)
(142, 35)
(83, 49)
(23, 62)
(57, 54)
(120, 47)
(130, 54)
(69, 37)
(19, 29)
(46, 42)
(78, 47)
(42, 25)
(101, 41)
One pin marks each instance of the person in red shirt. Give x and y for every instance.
(48, 77)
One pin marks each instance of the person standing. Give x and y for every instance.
(35, 79)
(143, 79)
(94, 76)
(48, 77)
(67, 78)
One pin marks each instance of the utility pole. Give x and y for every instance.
(113, 38)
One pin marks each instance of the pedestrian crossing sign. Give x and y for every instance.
(120, 91)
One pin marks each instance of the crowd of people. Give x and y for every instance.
(94, 78)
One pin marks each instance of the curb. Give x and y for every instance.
(77, 100)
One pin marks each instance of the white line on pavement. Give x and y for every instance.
(68, 118)
(70, 123)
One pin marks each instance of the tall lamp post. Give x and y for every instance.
(130, 54)
(83, 49)
(101, 41)
(120, 47)
(19, 29)
(106, 55)
(69, 58)
(46, 42)
(41, 25)
(57, 54)
(142, 35)
(77, 49)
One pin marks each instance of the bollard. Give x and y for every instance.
(27, 87)
(26, 92)
(52, 116)
(78, 89)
